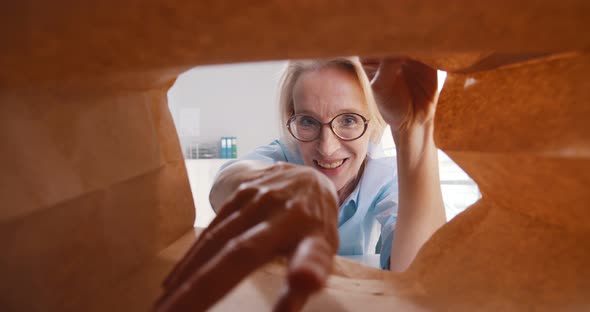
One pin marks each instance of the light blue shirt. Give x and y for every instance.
(367, 217)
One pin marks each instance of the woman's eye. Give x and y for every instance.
(349, 121)
(306, 122)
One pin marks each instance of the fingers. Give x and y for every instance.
(228, 209)
(234, 204)
(421, 79)
(422, 82)
(206, 247)
(261, 208)
(370, 65)
(406, 91)
(291, 300)
(392, 94)
(308, 270)
(311, 263)
(261, 222)
(390, 71)
(236, 260)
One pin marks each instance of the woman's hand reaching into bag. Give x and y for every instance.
(285, 210)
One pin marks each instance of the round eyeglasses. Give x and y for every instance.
(346, 126)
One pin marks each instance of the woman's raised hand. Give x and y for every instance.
(287, 210)
(405, 90)
(406, 94)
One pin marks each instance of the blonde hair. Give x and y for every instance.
(352, 65)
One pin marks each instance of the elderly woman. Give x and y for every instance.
(323, 189)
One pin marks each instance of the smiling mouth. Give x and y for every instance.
(330, 165)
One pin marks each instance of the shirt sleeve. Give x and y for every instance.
(386, 215)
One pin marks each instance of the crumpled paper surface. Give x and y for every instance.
(96, 206)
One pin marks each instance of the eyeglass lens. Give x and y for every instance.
(346, 126)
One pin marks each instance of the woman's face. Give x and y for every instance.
(323, 94)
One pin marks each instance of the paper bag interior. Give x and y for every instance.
(96, 207)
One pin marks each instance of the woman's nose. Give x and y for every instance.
(328, 142)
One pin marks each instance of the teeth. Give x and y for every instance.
(331, 165)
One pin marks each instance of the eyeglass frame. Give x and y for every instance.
(329, 123)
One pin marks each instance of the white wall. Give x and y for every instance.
(233, 100)
(241, 100)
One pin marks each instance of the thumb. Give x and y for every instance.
(308, 271)
(422, 84)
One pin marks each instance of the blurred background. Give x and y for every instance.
(224, 111)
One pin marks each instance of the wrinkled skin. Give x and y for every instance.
(288, 210)
(291, 211)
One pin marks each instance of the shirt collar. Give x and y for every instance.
(353, 196)
(374, 151)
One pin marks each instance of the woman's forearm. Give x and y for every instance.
(230, 178)
(421, 209)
